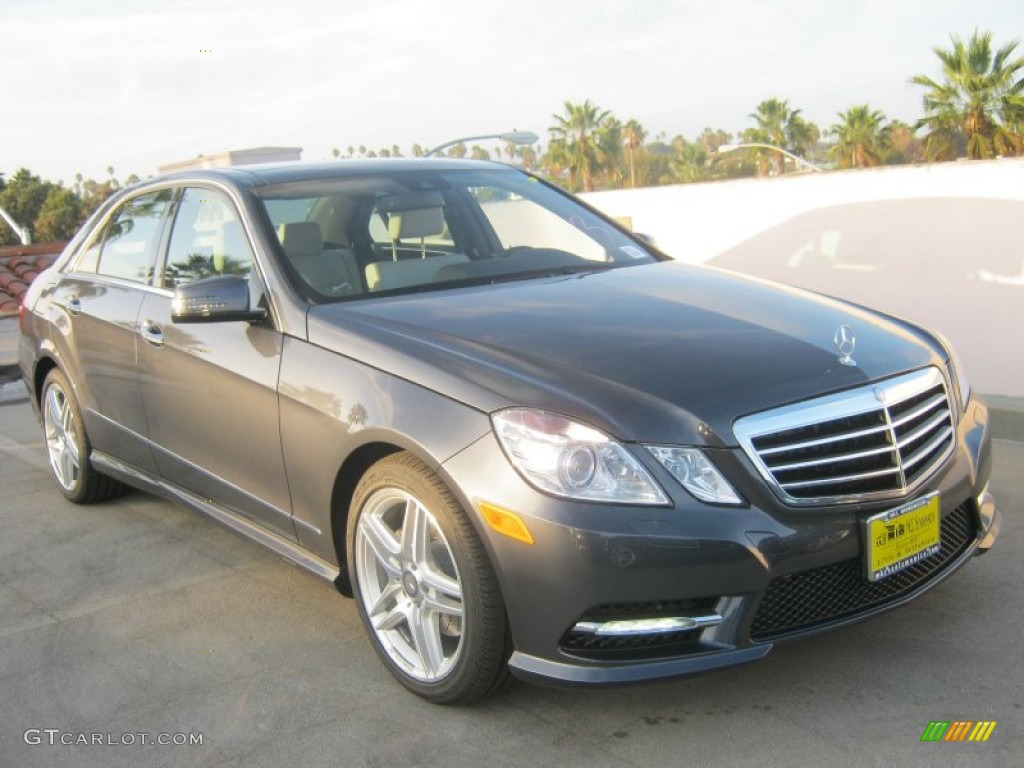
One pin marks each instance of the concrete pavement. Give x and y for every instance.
(138, 616)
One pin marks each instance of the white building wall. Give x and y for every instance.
(941, 244)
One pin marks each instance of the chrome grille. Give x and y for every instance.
(877, 441)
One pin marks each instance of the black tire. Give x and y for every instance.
(68, 447)
(443, 657)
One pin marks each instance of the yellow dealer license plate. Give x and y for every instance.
(900, 537)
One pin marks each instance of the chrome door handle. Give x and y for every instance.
(74, 304)
(151, 332)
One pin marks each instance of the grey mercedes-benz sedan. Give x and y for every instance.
(519, 436)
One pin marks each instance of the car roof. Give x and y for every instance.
(279, 173)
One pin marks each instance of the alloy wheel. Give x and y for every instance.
(61, 437)
(409, 584)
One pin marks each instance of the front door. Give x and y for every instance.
(210, 389)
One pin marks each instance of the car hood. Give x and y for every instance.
(662, 353)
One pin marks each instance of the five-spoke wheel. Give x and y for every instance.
(424, 586)
(409, 584)
(67, 444)
(61, 437)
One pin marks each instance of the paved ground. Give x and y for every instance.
(140, 617)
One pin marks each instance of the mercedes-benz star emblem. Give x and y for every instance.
(845, 342)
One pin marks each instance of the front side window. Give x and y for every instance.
(130, 239)
(207, 239)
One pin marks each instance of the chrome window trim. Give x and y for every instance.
(177, 186)
(852, 402)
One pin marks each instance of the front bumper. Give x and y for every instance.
(770, 572)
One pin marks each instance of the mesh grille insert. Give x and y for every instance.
(840, 590)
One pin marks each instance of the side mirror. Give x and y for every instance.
(217, 299)
(645, 239)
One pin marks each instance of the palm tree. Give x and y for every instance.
(689, 163)
(528, 157)
(610, 146)
(576, 144)
(781, 126)
(980, 103)
(903, 145)
(862, 137)
(633, 134)
(711, 139)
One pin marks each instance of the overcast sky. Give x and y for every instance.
(138, 83)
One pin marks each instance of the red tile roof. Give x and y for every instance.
(19, 266)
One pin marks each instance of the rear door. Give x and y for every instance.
(210, 389)
(100, 297)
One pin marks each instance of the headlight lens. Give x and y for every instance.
(696, 474)
(568, 459)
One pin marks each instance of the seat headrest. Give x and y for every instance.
(422, 222)
(300, 238)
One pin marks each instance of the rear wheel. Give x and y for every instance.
(67, 445)
(424, 586)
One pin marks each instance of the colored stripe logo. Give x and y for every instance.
(958, 730)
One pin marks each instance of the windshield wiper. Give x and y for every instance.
(533, 274)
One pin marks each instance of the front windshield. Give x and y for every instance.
(410, 231)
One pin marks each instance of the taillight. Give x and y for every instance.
(21, 315)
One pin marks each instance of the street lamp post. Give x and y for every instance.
(22, 232)
(757, 145)
(512, 137)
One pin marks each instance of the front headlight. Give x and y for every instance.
(571, 460)
(696, 474)
(956, 372)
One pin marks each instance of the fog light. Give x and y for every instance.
(663, 625)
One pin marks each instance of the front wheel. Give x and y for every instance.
(67, 445)
(424, 586)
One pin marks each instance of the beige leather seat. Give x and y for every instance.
(421, 223)
(405, 225)
(334, 272)
(388, 275)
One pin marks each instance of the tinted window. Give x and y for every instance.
(207, 239)
(131, 236)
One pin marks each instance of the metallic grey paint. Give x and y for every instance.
(267, 426)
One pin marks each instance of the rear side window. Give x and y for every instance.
(130, 238)
(207, 239)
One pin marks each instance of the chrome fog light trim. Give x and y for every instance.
(630, 627)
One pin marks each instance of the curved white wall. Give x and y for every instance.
(941, 244)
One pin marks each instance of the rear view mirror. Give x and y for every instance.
(217, 299)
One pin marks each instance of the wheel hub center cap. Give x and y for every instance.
(410, 584)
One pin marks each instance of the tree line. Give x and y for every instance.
(974, 110)
(51, 211)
